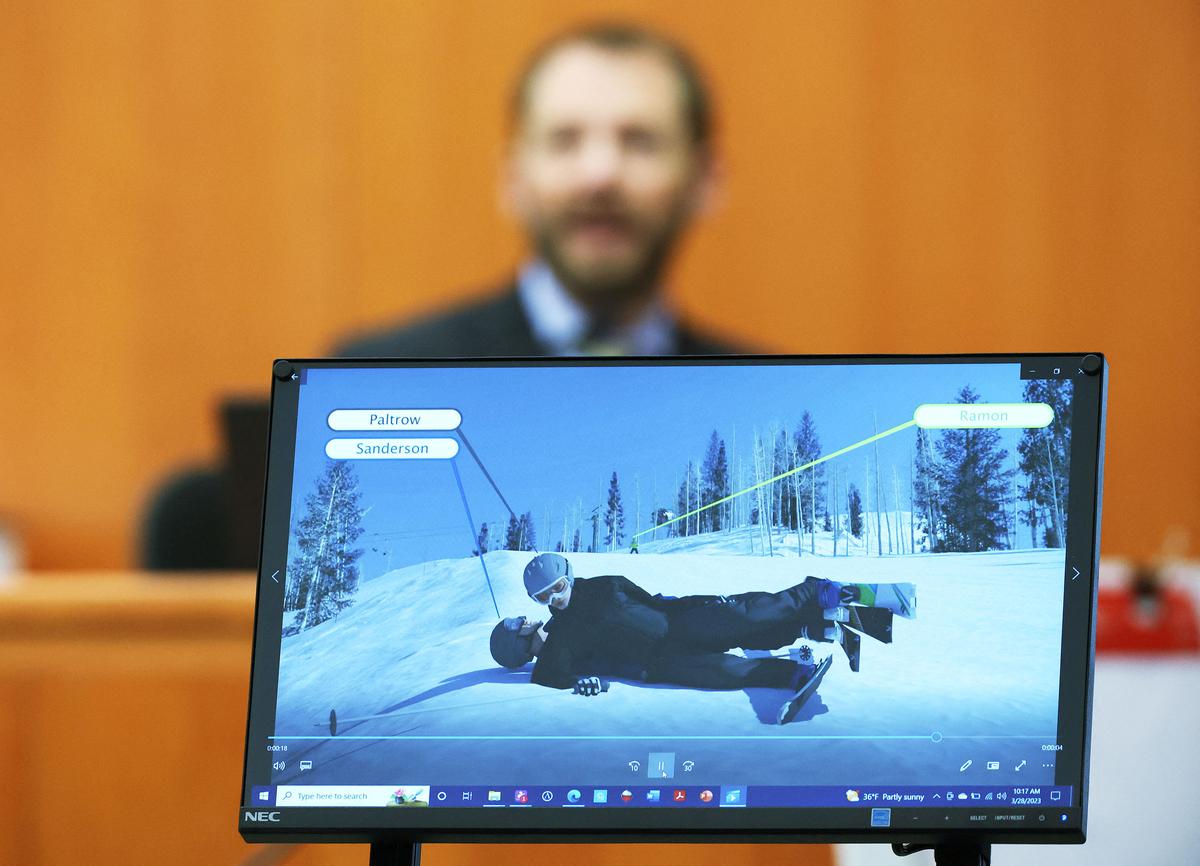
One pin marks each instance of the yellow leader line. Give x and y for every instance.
(838, 453)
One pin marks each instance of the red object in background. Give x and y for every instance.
(1160, 622)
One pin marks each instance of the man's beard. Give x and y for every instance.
(607, 286)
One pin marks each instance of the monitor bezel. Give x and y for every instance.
(649, 824)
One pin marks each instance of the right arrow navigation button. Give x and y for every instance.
(1076, 574)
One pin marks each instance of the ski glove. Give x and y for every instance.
(589, 686)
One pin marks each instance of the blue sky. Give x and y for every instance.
(553, 435)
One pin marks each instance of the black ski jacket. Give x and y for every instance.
(614, 627)
(611, 626)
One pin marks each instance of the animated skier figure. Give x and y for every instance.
(609, 626)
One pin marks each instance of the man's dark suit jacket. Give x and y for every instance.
(493, 327)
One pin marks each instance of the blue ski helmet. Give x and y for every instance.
(544, 570)
(509, 647)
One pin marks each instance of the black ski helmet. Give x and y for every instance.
(509, 647)
(544, 570)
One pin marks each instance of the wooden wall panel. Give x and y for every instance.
(192, 189)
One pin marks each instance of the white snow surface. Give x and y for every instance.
(979, 666)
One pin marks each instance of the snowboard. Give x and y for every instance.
(872, 621)
(899, 598)
(791, 707)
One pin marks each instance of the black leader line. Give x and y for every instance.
(486, 474)
(471, 533)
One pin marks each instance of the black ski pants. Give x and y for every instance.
(723, 671)
(750, 620)
(704, 627)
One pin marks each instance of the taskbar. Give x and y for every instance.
(666, 796)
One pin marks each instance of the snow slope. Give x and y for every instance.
(974, 676)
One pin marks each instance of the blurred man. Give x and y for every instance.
(610, 157)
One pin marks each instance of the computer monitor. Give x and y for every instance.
(759, 598)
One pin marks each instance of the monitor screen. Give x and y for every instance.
(819, 597)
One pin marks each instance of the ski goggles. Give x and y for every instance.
(553, 592)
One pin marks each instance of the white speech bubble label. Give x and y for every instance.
(391, 449)
(394, 419)
(948, 416)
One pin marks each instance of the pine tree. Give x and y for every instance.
(614, 516)
(512, 535)
(721, 485)
(1045, 455)
(324, 574)
(854, 506)
(481, 542)
(714, 482)
(526, 537)
(307, 533)
(575, 542)
(974, 483)
(812, 481)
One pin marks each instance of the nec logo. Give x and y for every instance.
(262, 816)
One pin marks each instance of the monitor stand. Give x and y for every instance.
(949, 855)
(395, 853)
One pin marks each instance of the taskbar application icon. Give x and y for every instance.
(733, 795)
(557, 797)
